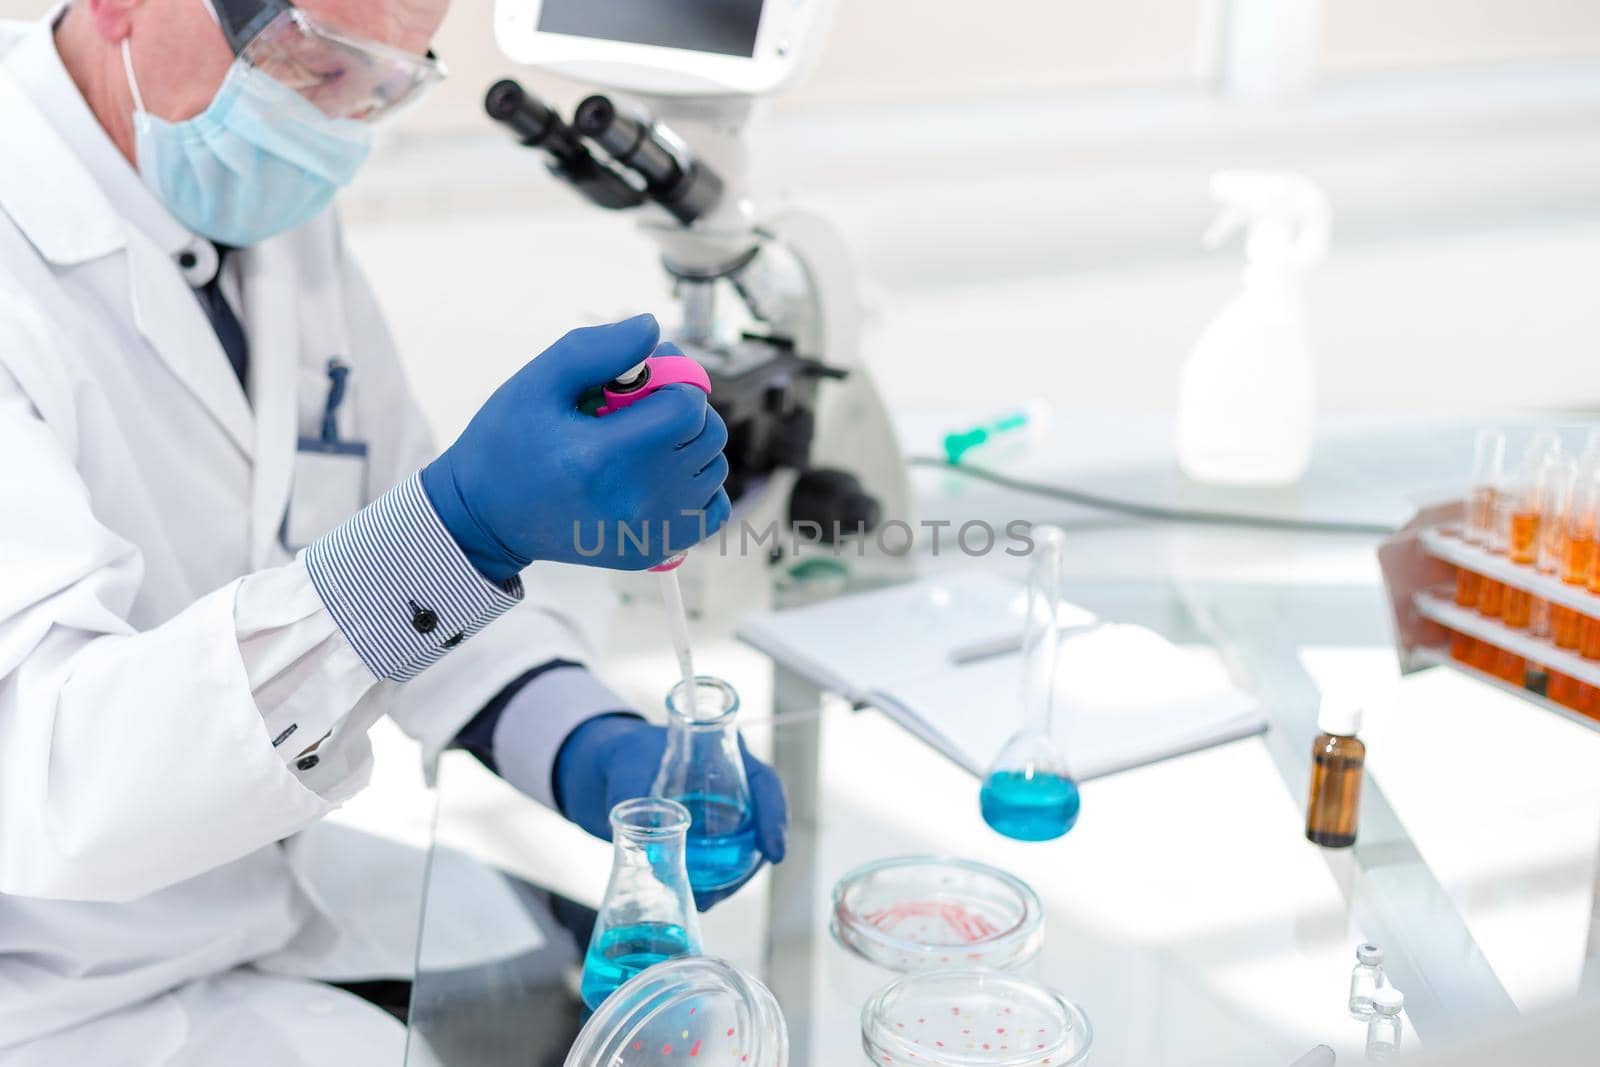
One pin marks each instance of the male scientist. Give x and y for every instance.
(227, 545)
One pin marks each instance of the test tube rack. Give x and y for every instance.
(1436, 604)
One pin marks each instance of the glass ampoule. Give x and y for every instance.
(1028, 793)
(1524, 537)
(1524, 501)
(1366, 979)
(1476, 528)
(703, 769)
(1383, 1028)
(1488, 462)
(1577, 550)
(1571, 629)
(1528, 485)
(1513, 531)
(1558, 487)
(1469, 585)
(1491, 592)
(1588, 643)
(648, 914)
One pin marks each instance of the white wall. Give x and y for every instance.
(1036, 198)
(1054, 236)
(1365, 34)
(1455, 320)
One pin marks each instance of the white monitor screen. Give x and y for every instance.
(727, 27)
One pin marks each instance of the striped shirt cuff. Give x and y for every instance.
(399, 587)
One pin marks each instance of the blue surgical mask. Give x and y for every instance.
(258, 161)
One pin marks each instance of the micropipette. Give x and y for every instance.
(678, 623)
(639, 382)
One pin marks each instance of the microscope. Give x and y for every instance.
(768, 296)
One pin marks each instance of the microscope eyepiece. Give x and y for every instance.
(503, 98)
(594, 115)
(685, 187)
(528, 116)
(645, 160)
(629, 142)
(537, 125)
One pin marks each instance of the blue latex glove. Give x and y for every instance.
(613, 758)
(533, 478)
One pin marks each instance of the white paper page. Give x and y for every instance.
(1124, 696)
(875, 640)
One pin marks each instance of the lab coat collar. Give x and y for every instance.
(39, 72)
(76, 199)
(53, 200)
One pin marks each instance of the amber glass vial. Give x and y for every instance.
(1510, 667)
(1564, 690)
(1338, 759)
(1577, 556)
(1577, 560)
(1589, 637)
(1589, 625)
(1517, 609)
(1524, 547)
(1491, 598)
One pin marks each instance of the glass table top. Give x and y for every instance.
(1185, 913)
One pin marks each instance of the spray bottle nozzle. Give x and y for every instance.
(1287, 215)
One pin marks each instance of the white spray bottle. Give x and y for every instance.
(1247, 398)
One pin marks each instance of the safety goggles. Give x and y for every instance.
(344, 76)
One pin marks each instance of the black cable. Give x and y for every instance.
(1153, 512)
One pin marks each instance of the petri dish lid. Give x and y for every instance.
(973, 1019)
(693, 1010)
(920, 913)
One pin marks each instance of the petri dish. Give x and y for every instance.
(920, 913)
(973, 1019)
(693, 1010)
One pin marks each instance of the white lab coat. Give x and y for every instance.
(150, 872)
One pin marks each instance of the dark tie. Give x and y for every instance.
(229, 331)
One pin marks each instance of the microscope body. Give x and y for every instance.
(771, 308)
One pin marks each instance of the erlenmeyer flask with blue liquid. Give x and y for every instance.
(648, 915)
(1028, 793)
(703, 770)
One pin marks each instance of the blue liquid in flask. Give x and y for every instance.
(1029, 807)
(619, 954)
(721, 849)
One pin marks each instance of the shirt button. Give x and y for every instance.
(424, 621)
(306, 763)
(187, 260)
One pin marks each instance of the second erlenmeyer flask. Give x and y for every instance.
(703, 770)
(1028, 793)
(648, 915)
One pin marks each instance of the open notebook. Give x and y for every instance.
(1125, 696)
